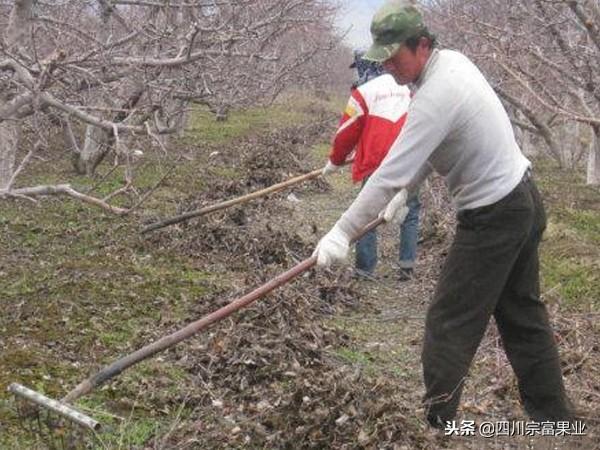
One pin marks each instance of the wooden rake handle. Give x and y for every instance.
(117, 367)
(234, 201)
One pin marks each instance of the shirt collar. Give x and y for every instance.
(426, 69)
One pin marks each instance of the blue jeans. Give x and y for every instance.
(366, 247)
(409, 233)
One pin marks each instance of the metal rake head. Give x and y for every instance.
(52, 423)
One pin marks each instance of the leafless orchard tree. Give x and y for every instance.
(107, 73)
(542, 57)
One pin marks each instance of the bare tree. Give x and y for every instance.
(106, 73)
(542, 57)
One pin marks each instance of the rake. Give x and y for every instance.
(236, 201)
(63, 407)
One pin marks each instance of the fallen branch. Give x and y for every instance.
(61, 189)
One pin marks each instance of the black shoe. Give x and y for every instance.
(406, 274)
(436, 422)
(363, 275)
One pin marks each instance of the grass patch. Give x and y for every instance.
(228, 173)
(570, 253)
(119, 335)
(354, 356)
(575, 280)
(203, 126)
(136, 430)
(133, 433)
(585, 223)
(286, 111)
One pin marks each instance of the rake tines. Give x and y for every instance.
(53, 425)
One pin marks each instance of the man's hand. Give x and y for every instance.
(330, 168)
(396, 210)
(333, 247)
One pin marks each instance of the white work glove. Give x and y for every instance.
(396, 210)
(333, 247)
(330, 168)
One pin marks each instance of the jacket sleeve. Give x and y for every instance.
(350, 128)
(431, 116)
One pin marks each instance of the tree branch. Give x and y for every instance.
(61, 189)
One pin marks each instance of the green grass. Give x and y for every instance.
(138, 422)
(354, 356)
(286, 111)
(585, 223)
(119, 334)
(575, 280)
(203, 127)
(228, 173)
(570, 252)
(134, 433)
(76, 275)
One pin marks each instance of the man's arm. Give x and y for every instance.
(430, 117)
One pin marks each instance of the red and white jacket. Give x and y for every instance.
(372, 120)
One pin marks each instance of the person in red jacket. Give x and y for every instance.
(371, 122)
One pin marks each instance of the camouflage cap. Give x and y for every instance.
(392, 24)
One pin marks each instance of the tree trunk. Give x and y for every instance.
(9, 142)
(15, 34)
(19, 22)
(95, 148)
(593, 166)
(95, 144)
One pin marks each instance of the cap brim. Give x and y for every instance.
(380, 53)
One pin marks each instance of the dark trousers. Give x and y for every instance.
(493, 269)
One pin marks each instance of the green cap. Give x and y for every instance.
(392, 24)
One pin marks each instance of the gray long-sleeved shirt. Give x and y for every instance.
(457, 126)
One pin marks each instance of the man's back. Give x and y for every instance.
(372, 120)
(479, 135)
